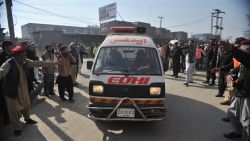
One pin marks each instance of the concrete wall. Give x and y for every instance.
(44, 38)
(30, 28)
(180, 35)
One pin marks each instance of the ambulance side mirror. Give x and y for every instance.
(89, 65)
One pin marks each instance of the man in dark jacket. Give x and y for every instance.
(240, 116)
(176, 55)
(228, 68)
(48, 72)
(5, 55)
(15, 72)
(224, 58)
(190, 62)
(211, 58)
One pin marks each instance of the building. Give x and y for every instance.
(158, 34)
(179, 35)
(203, 37)
(150, 30)
(30, 28)
(43, 34)
(163, 33)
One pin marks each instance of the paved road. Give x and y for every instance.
(194, 114)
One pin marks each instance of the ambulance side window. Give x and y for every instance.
(101, 59)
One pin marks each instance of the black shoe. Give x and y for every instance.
(219, 95)
(63, 99)
(232, 135)
(172, 75)
(186, 84)
(206, 82)
(44, 94)
(212, 83)
(6, 122)
(17, 133)
(227, 102)
(175, 76)
(226, 119)
(75, 84)
(191, 82)
(71, 100)
(52, 93)
(30, 121)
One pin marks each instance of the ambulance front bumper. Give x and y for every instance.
(139, 113)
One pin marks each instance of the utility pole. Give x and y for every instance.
(218, 18)
(160, 20)
(221, 28)
(160, 27)
(10, 21)
(2, 35)
(212, 21)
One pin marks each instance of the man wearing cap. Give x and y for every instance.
(15, 72)
(64, 79)
(48, 72)
(5, 55)
(240, 120)
(24, 44)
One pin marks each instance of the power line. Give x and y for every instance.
(47, 19)
(119, 15)
(55, 14)
(42, 13)
(189, 23)
(141, 4)
(43, 20)
(187, 14)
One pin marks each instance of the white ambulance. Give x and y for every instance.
(126, 80)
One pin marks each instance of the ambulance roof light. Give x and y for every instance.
(125, 29)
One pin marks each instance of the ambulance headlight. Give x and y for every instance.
(155, 90)
(98, 89)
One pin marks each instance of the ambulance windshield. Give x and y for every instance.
(127, 60)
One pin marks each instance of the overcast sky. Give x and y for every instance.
(191, 16)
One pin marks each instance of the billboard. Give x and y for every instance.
(107, 12)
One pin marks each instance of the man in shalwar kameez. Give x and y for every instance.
(239, 110)
(17, 85)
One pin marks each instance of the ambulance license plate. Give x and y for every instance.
(125, 112)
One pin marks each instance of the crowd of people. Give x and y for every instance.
(231, 61)
(18, 75)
